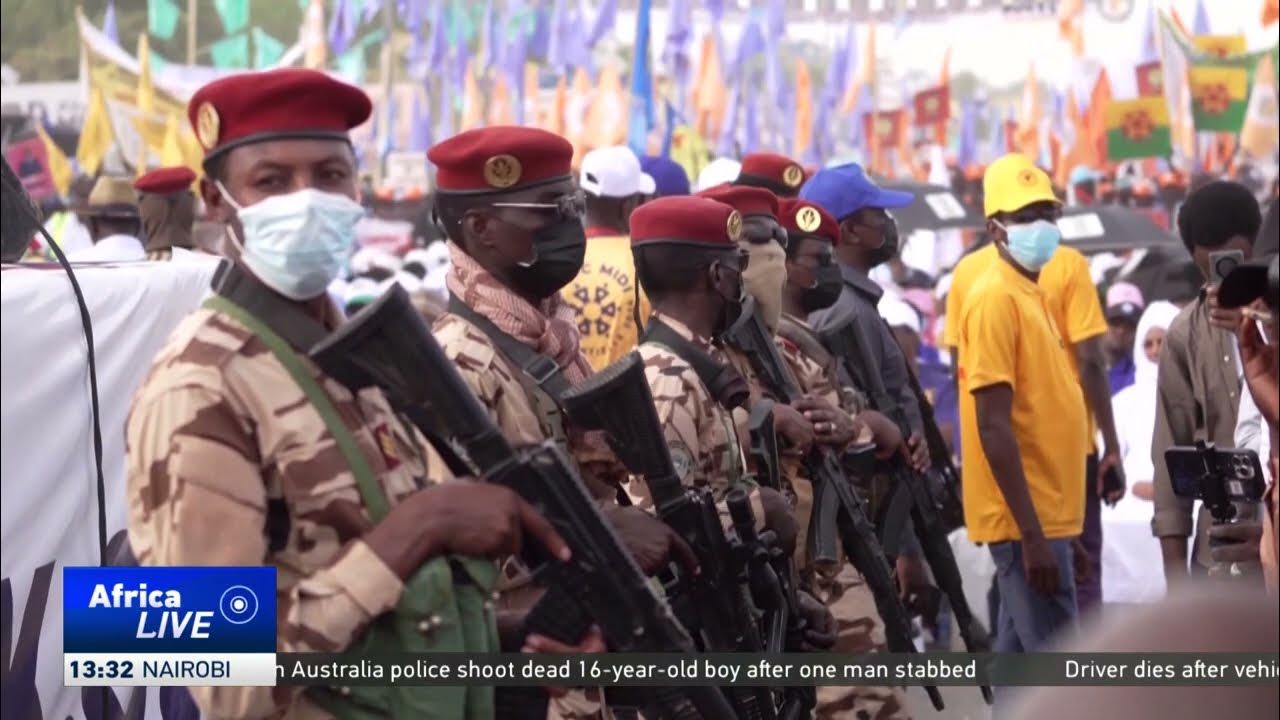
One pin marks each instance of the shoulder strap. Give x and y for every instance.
(806, 340)
(723, 381)
(539, 368)
(370, 491)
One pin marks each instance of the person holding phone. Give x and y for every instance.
(1199, 382)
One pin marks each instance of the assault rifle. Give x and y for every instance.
(849, 345)
(388, 344)
(838, 513)
(717, 604)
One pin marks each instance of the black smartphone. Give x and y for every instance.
(1111, 482)
(1239, 471)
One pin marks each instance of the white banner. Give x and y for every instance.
(47, 472)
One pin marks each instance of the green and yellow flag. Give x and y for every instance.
(1219, 96)
(1138, 129)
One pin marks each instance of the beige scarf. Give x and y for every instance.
(549, 329)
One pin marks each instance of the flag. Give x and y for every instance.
(1148, 37)
(804, 110)
(669, 128)
(1270, 12)
(267, 50)
(727, 143)
(109, 23)
(162, 18)
(606, 17)
(675, 49)
(233, 13)
(501, 103)
(233, 52)
(641, 85)
(932, 106)
(56, 161)
(607, 117)
(1219, 95)
(709, 90)
(750, 123)
(1150, 77)
(1138, 129)
(472, 103)
(1027, 139)
(967, 152)
(883, 130)
(558, 35)
(313, 41)
(554, 120)
(1220, 46)
(1261, 122)
(96, 137)
(146, 97)
(491, 42)
(1200, 25)
(1071, 24)
(344, 23)
(575, 115)
(689, 150)
(420, 121)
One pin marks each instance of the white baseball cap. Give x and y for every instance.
(717, 172)
(614, 172)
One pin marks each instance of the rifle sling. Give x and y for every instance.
(370, 491)
(719, 379)
(542, 370)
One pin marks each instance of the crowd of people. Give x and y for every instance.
(1055, 383)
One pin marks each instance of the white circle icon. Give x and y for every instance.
(238, 605)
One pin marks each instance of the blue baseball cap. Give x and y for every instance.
(846, 189)
(668, 177)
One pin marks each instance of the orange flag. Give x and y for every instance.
(709, 90)
(531, 94)
(1270, 12)
(1028, 138)
(1071, 24)
(472, 104)
(944, 77)
(575, 113)
(804, 110)
(866, 73)
(501, 111)
(607, 117)
(1096, 119)
(553, 121)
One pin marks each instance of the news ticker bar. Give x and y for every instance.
(660, 670)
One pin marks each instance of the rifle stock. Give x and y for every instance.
(388, 344)
(847, 343)
(834, 498)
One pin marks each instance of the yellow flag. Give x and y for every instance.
(1220, 46)
(96, 137)
(689, 150)
(1262, 117)
(59, 165)
(146, 90)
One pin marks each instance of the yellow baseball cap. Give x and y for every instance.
(1014, 182)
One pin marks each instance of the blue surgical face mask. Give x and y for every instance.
(297, 243)
(1032, 244)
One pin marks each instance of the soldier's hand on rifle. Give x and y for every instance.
(884, 433)
(592, 642)
(820, 624)
(460, 518)
(651, 542)
(916, 453)
(831, 425)
(790, 424)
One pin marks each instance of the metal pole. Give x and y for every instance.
(191, 32)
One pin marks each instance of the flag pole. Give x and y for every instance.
(191, 32)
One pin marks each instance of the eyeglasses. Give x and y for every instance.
(569, 207)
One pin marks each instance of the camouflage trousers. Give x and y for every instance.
(859, 630)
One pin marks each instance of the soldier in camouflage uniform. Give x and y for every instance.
(229, 463)
(813, 283)
(513, 217)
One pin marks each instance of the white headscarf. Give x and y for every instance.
(1135, 406)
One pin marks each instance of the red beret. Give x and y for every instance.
(778, 173)
(502, 157)
(801, 217)
(744, 198)
(288, 103)
(686, 220)
(165, 181)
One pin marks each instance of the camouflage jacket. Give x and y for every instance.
(704, 443)
(229, 464)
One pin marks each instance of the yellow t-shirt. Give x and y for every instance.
(1068, 288)
(602, 298)
(1007, 335)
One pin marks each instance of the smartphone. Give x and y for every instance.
(1222, 262)
(1238, 469)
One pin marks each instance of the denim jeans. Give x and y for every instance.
(1029, 619)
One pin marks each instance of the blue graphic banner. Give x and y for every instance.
(169, 609)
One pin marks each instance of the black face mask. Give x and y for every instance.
(890, 247)
(559, 248)
(824, 292)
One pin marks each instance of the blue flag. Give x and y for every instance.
(420, 122)
(641, 119)
(109, 23)
(675, 51)
(606, 16)
(967, 153)
(1201, 24)
(669, 129)
(489, 26)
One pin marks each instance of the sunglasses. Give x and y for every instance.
(758, 232)
(571, 206)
